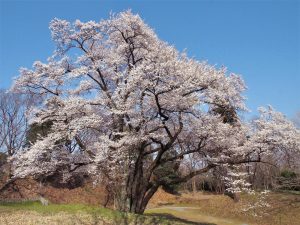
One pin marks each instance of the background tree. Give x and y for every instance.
(143, 106)
(296, 119)
(13, 120)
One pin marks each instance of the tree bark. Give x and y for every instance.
(194, 185)
(140, 188)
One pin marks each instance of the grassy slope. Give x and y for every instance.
(284, 209)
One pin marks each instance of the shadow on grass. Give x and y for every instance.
(88, 215)
(173, 219)
(152, 219)
(131, 219)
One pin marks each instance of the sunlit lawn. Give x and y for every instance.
(34, 213)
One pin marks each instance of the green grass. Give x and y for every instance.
(62, 212)
(73, 214)
(55, 208)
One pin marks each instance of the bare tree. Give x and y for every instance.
(13, 121)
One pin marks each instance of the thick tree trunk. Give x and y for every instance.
(139, 189)
(139, 200)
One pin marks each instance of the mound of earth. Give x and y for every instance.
(161, 198)
(29, 189)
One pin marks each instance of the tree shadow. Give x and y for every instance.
(172, 218)
(135, 219)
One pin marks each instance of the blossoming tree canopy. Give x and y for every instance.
(124, 104)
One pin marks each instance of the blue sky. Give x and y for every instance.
(258, 39)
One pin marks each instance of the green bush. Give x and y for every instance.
(288, 174)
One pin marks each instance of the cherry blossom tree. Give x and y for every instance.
(130, 103)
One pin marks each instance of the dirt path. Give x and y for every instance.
(193, 215)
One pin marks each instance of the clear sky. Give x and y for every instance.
(258, 39)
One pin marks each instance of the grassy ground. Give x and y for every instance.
(283, 209)
(34, 213)
(192, 209)
(193, 214)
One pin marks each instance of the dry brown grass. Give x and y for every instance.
(28, 189)
(162, 198)
(284, 208)
(35, 218)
